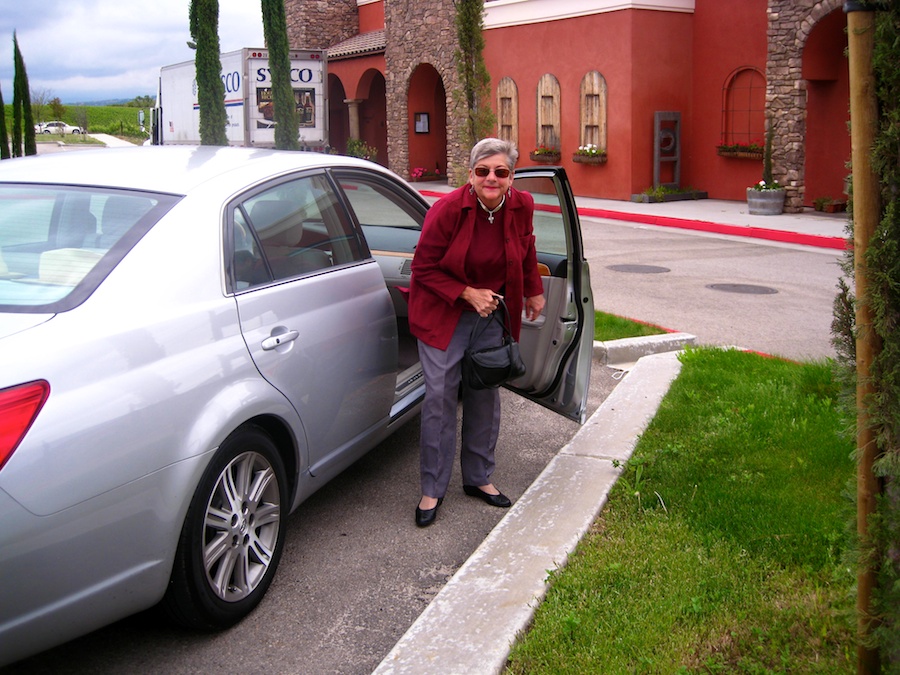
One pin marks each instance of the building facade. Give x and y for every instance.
(676, 92)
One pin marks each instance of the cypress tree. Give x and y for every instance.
(474, 78)
(4, 136)
(204, 23)
(284, 104)
(22, 93)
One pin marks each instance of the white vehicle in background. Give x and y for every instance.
(57, 127)
(248, 100)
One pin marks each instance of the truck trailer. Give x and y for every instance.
(248, 100)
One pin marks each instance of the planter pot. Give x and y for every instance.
(740, 154)
(544, 158)
(589, 159)
(765, 202)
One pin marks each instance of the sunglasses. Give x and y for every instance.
(484, 172)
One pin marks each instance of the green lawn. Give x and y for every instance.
(723, 546)
(612, 327)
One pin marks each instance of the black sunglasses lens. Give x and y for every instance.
(484, 172)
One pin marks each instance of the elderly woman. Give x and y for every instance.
(477, 244)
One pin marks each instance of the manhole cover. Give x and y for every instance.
(639, 269)
(749, 289)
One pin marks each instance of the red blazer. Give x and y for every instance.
(438, 267)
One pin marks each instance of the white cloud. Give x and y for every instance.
(91, 50)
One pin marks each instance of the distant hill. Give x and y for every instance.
(113, 102)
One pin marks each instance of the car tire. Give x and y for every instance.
(233, 534)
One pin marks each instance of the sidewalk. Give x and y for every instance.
(810, 228)
(472, 623)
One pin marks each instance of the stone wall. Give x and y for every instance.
(319, 24)
(419, 33)
(790, 23)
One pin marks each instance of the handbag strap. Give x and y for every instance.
(504, 323)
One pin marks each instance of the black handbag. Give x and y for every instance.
(489, 367)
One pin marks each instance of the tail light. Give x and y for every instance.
(19, 406)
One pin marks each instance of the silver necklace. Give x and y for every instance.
(491, 212)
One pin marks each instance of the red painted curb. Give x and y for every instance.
(820, 241)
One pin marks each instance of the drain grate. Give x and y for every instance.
(639, 269)
(749, 289)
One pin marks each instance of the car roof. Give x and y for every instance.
(171, 169)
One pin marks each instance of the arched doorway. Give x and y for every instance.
(427, 123)
(827, 76)
(338, 115)
(372, 99)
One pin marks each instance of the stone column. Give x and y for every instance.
(353, 109)
(790, 23)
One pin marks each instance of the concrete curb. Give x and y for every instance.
(623, 354)
(470, 626)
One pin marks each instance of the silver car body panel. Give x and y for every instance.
(158, 364)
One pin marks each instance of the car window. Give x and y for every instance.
(291, 229)
(550, 230)
(58, 243)
(389, 220)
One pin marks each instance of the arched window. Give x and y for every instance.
(548, 112)
(593, 110)
(744, 108)
(508, 110)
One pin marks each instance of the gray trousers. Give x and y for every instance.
(481, 413)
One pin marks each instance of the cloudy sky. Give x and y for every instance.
(96, 50)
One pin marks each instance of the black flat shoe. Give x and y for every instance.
(425, 517)
(500, 499)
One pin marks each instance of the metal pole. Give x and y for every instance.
(866, 213)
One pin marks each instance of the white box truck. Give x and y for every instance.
(248, 100)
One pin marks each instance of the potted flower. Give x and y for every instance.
(766, 198)
(589, 154)
(545, 154)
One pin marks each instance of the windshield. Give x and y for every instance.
(57, 243)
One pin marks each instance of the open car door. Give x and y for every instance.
(557, 348)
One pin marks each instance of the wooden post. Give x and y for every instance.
(866, 214)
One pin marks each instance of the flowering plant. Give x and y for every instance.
(545, 150)
(768, 182)
(770, 185)
(418, 172)
(590, 150)
(750, 147)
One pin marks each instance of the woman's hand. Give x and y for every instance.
(483, 300)
(534, 306)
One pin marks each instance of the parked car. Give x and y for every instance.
(193, 340)
(57, 127)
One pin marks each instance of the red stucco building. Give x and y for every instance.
(569, 72)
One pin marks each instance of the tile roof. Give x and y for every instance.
(364, 43)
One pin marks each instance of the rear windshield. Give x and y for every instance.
(58, 243)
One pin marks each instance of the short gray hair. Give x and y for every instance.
(488, 147)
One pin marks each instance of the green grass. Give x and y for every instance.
(720, 549)
(612, 327)
(115, 120)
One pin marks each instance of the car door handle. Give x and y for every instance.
(277, 340)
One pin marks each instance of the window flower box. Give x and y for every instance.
(589, 159)
(545, 155)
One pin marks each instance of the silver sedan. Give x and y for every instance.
(192, 342)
